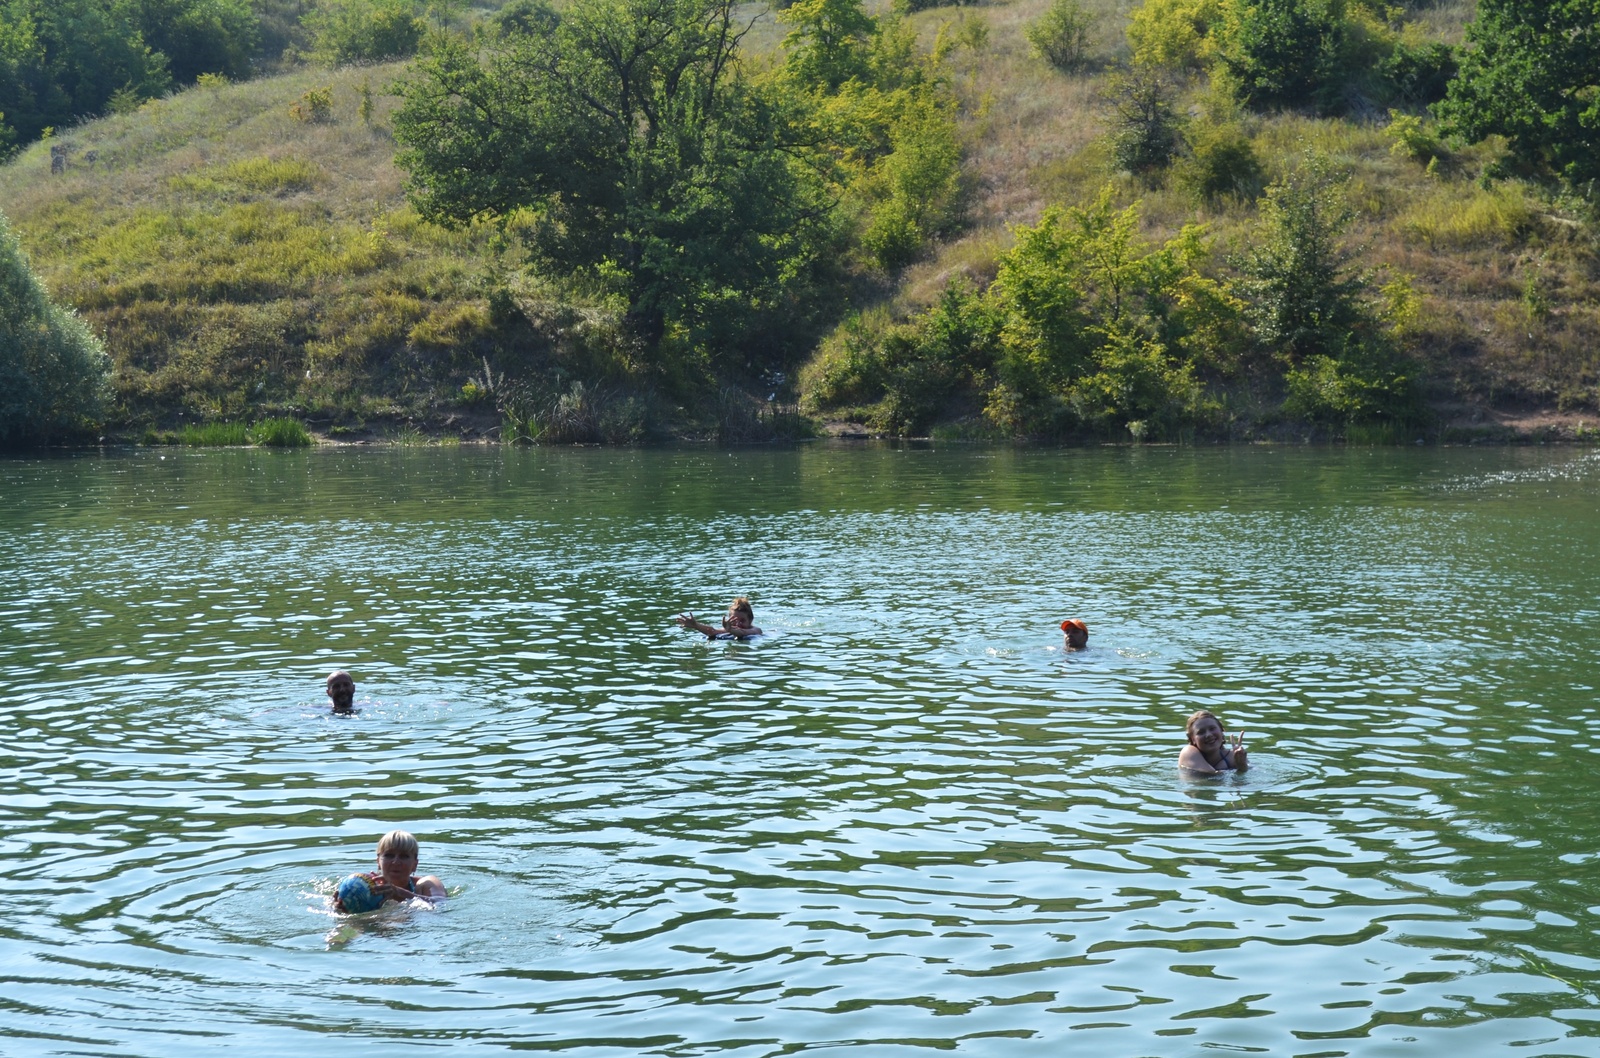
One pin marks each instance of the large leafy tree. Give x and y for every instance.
(1531, 73)
(623, 142)
(53, 370)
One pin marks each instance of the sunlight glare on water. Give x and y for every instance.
(903, 820)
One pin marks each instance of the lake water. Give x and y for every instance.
(902, 822)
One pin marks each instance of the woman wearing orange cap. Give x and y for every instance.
(1209, 751)
(1077, 634)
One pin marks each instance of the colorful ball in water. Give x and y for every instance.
(356, 894)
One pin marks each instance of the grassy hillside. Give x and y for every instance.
(247, 252)
(244, 262)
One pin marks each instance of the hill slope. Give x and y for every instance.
(246, 250)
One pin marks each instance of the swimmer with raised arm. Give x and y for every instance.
(393, 880)
(1209, 751)
(1076, 633)
(739, 624)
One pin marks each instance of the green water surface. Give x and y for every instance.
(901, 822)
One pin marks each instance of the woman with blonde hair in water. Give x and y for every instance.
(1209, 751)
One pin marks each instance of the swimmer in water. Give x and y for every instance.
(1077, 635)
(342, 692)
(393, 880)
(739, 624)
(1209, 751)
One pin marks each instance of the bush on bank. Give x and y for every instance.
(53, 369)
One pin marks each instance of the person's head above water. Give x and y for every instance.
(1077, 634)
(740, 614)
(342, 691)
(1199, 719)
(397, 858)
(398, 845)
(1208, 749)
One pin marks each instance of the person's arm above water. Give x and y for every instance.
(688, 620)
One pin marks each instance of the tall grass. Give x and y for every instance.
(280, 433)
(215, 435)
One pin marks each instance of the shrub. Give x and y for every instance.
(919, 181)
(1097, 330)
(1366, 382)
(1061, 35)
(1417, 74)
(1303, 300)
(1221, 163)
(1175, 34)
(1412, 138)
(1284, 54)
(1145, 128)
(53, 370)
(314, 107)
(345, 31)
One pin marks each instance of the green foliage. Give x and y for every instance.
(1366, 382)
(829, 42)
(1531, 73)
(1097, 331)
(315, 107)
(1285, 54)
(1413, 139)
(215, 435)
(1312, 312)
(1146, 132)
(1060, 36)
(280, 433)
(53, 370)
(916, 184)
(1303, 300)
(882, 124)
(625, 148)
(1418, 73)
(1175, 34)
(523, 17)
(1221, 163)
(63, 59)
(344, 31)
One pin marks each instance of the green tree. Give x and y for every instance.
(364, 30)
(1099, 330)
(53, 370)
(1304, 300)
(1146, 131)
(1060, 36)
(829, 42)
(61, 60)
(1531, 72)
(1314, 313)
(880, 124)
(1285, 53)
(626, 146)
